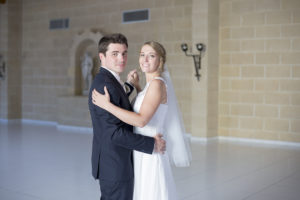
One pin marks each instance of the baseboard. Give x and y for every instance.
(39, 122)
(203, 140)
(67, 128)
(244, 140)
(76, 129)
(3, 121)
(9, 121)
(259, 142)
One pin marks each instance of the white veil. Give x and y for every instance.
(177, 143)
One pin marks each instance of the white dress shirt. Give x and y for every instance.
(117, 76)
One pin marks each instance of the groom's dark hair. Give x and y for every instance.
(116, 38)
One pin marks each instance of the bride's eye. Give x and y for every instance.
(142, 55)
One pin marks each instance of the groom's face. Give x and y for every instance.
(115, 57)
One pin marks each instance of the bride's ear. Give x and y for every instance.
(161, 65)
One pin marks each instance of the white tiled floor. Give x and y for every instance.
(38, 162)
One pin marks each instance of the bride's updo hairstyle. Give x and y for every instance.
(161, 52)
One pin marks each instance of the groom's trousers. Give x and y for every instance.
(111, 190)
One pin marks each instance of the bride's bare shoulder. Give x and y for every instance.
(157, 88)
(157, 84)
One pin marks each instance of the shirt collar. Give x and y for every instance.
(117, 76)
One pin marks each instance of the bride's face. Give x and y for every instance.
(149, 60)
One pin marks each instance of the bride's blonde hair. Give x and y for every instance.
(160, 50)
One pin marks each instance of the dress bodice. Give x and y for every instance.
(155, 125)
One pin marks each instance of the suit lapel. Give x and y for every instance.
(109, 75)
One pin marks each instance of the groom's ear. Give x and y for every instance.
(101, 56)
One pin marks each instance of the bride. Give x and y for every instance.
(155, 111)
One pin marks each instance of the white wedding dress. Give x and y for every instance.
(153, 179)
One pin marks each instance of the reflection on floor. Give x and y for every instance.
(39, 162)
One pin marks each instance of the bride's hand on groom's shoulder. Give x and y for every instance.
(133, 78)
(101, 100)
(160, 144)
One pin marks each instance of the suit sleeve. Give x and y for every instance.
(116, 129)
(130, 88)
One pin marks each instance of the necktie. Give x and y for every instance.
(123, 85)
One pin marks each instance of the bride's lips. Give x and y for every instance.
(146, 65)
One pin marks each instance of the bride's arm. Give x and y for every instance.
(152, 99)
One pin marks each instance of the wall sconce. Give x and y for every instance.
(197, 57)
(2, 68)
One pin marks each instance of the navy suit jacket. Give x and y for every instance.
(113, 140)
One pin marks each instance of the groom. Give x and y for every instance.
(114, 140)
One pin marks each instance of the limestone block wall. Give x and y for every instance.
(11, 50)
(199, 109)
(259, 69)
(73, 111)
(3, 52)
(46, 53)
(250, 71)
(204, 98)
(213, 68)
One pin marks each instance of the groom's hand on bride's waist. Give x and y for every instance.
(160, 144)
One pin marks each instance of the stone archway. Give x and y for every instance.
(86, 41)
(72, 108)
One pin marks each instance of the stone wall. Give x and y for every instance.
(204, 93)
(259, 69)
(46, 52)
(11, 50)
(250, 77)
(3, 52)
